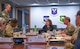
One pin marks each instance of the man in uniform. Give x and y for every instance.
(5, 13)
(77, 42)
(9, 28)
(2, 26)
(73, 38)
(70, 28)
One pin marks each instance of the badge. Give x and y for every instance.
(54, 11)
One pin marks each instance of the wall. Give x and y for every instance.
(37, 13)
(14, 12)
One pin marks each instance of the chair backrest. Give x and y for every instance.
(55, 26)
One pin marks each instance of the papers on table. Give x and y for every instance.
(35, 39)
(31, 34)
(57, 39)
(5, 39)
(19, 35)
(56, 47)
(36, 46)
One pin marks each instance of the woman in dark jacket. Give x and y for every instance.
(47, 27)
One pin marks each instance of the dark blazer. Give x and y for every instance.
(45, 28)
(77, 43)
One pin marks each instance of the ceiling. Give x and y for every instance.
(42, 2)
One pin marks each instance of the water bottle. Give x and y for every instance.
(24, 28)
(35, 28)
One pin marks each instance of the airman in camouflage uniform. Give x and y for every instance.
(69, 29)
(73, 38)
(5, 13)
(70, 44)
(9, 30)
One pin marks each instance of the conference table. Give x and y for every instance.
(6, 43)
(36, 41)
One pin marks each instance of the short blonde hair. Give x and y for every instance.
(7, 5)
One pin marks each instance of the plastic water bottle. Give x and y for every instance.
(35, 28)
(24, 28)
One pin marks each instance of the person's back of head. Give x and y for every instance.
(78, 13)
(13, 22)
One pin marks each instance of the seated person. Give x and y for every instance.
(73, 38)
(2, 26)
(77, 41)
(47, 27)
(70, 28)
(9, 28)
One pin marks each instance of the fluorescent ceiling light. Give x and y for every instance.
(53, 3)
(34, 4)
(73, 3)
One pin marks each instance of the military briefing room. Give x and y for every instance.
(39, 24)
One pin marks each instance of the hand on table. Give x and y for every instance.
(67, 37)
(63, 35)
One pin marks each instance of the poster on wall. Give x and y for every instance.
(61, 19)
(45, 17)
(53, 11)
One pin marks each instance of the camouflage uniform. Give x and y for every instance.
(70, 44)
(5, 15)
(74, 36)
(69, 29)
(8, 31)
